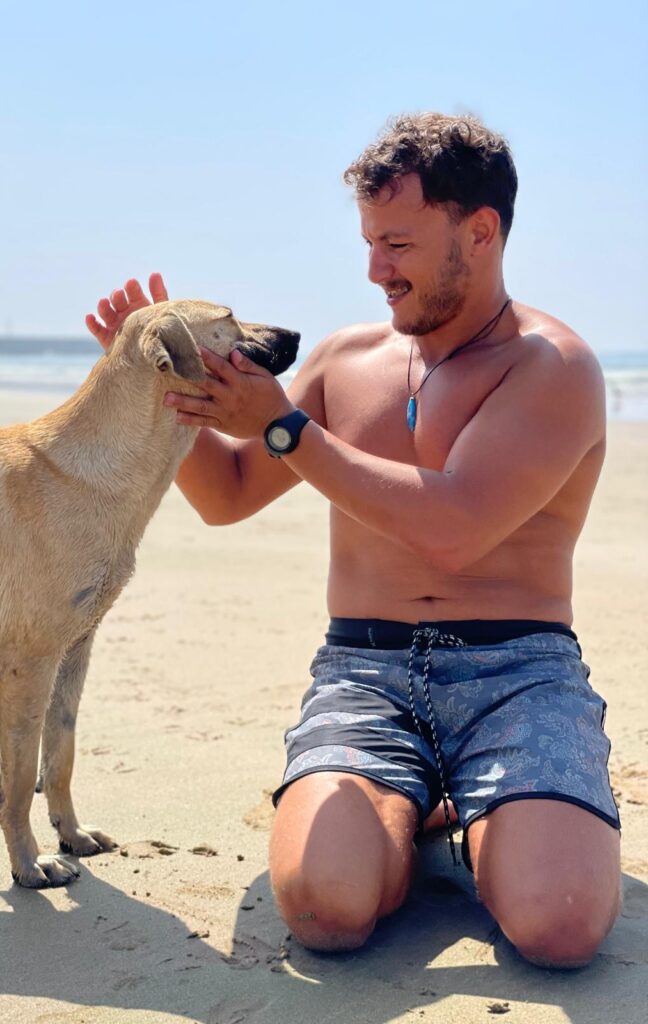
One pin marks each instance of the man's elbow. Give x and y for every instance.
(454, 560)
(230, 512)
(220, 516)
(215, 513)
(452, 554)
(449, 560)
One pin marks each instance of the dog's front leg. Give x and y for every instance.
(57, 759)
(24, 690)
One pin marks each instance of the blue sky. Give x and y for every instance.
(208, 141)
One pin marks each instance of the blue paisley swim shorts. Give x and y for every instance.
(512, 720)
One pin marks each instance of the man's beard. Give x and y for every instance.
(446, 301)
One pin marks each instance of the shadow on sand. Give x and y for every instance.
(441, 944)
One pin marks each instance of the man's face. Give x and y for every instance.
(415, 256)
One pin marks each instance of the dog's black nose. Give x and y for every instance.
(285, 351)
(274, 348)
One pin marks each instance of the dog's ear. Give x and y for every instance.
(168, 345)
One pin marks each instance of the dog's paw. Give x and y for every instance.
(46, 872)
(86, 842)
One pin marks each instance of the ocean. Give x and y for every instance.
(61, 364)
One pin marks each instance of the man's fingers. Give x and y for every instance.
(135, 294)
(107, 313)
(246, 365)
(196, 406)
(157, 288)
(97, 330)
(217, 365)
(118, 300)
(229, 371)
(94, 326)
(189, 420)
(215, 386)
(123, 301)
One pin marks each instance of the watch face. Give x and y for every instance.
(279, 437)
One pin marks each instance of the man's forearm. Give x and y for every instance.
(210, 479)
(416, 507)
(227, 480)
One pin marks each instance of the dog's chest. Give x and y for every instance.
(46, 613)
(97, 587)
(81, 598)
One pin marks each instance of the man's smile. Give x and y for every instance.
(396, 293)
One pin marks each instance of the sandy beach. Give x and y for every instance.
(197, 671)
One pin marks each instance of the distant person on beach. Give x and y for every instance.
(459, 445)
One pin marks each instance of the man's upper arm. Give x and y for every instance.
(524, 443)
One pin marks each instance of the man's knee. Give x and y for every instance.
(563, 932)
(549, 873)
(326, 913)
(340, 857)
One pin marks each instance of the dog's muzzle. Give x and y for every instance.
(275, 350)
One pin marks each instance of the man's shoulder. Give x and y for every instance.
(555, 368)
(346, 343)
(356, 337)
(335, 353)
(548, 341)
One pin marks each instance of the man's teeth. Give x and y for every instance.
(392, 293)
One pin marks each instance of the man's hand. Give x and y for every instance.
(243, 398)
(122, 301)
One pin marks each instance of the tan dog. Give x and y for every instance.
(77, 489)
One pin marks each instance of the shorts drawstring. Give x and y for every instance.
(423, 640)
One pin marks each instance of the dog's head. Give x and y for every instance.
(168, 335)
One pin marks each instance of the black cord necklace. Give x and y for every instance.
(482, 333)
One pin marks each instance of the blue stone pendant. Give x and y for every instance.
(411, 413)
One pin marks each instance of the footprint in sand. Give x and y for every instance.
(635, 900)
(204, 850)
(224, 1013)
(207, 892)
(128, 981)
(261, 816)
(252, 951)
(148, 849)
(630, 783)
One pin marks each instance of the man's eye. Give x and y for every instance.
(398, 245)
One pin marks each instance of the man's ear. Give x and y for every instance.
(169, 347)
(485, 229)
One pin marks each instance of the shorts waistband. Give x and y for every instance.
(386, 634)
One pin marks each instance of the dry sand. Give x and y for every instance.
(197, 670)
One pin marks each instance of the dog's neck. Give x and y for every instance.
(115, 434)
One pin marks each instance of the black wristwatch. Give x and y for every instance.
(282, 436)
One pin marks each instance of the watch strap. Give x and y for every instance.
(293, 423)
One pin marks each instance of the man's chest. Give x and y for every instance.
(367, 398)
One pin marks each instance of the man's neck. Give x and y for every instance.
(473, 318)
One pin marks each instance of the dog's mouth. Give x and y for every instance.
(274, 348)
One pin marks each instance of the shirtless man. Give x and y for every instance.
(459, 446)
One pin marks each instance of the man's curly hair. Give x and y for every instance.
(459, 161)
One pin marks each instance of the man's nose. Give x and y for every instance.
(380, 266)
